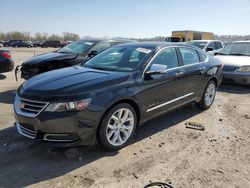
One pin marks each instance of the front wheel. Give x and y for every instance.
(117, 127)
(208, 96)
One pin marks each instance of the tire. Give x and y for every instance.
(208, 95)
(115, 133)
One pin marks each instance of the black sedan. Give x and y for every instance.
(71, 54)
(6, 63)
(106, 98)
(27, 44)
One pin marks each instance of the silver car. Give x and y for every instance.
(211, 46)
(236, 60)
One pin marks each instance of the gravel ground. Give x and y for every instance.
(163, 149)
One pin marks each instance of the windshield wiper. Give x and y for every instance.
(219, 53)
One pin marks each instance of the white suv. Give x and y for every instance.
(211, 46)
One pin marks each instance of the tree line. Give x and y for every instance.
(16, 35)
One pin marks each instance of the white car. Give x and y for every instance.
(236, 60)
(211, 46)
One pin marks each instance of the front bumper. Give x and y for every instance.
(237, 77)
(57, 128)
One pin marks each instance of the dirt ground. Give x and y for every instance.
(162, 150)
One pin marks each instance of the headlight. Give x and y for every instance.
(244, 69)
(68, 106)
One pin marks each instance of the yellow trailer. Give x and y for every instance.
(188, 35)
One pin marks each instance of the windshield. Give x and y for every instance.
(240, 48)
(200, 45)
(119, 59)
(77, 47)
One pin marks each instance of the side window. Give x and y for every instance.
(203, 57)
(189, 56)
(166, 57)
(218, 45)
(101, 46)
(211, 45)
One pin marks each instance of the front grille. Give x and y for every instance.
(32, 106)
(25, 131)
(28, 107)
(229, 68)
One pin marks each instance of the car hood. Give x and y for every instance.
(233, 60)
(52, 56)
(69, 83)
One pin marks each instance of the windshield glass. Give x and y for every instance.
(240, 48)
(119, 59)
(77, 47)
(200, 45)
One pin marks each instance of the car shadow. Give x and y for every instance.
(2, 77)
(25, 163)
(234, 89)
(7, 97)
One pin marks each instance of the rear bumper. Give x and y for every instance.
(236, 77)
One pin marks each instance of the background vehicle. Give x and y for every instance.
(27, 44)
(236, 60)
(108, 96)
(51, 43)
(211, 46)
(36, 43)
(6, 63)
(72, 54)
(188, 35)
(9, 43)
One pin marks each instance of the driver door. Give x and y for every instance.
(162, 91)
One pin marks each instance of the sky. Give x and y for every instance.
(125, 18)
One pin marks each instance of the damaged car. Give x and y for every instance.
(105, 99)
(236, 60)
(71, 54)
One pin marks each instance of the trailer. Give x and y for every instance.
(188, 35)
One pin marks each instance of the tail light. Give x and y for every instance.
(6, 54)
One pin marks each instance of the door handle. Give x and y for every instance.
(179, 74)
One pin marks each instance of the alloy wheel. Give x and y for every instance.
(120, 127)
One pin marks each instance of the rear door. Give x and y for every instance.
(193, 69)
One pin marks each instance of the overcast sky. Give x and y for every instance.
(125, 18)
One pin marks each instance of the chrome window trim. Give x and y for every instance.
(169, 102)
(183, 66)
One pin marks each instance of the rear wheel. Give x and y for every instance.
(208, 96)
(118, 127)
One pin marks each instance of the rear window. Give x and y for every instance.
(189, 56)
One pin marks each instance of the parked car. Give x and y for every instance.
(1, 43)
(72, 54)
(120, 88)
(27, 44)
(51, 43)
(9, 43)
(211, 46)
(6, 63)
(37, 44)
(236, 60)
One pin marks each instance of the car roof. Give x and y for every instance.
(242, 41)
(155, 45)
(205, 41)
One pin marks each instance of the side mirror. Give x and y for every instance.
(92, 53)
(157, 69)
(209, 49)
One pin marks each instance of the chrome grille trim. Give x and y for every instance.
(29, 108)
(25, 132)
